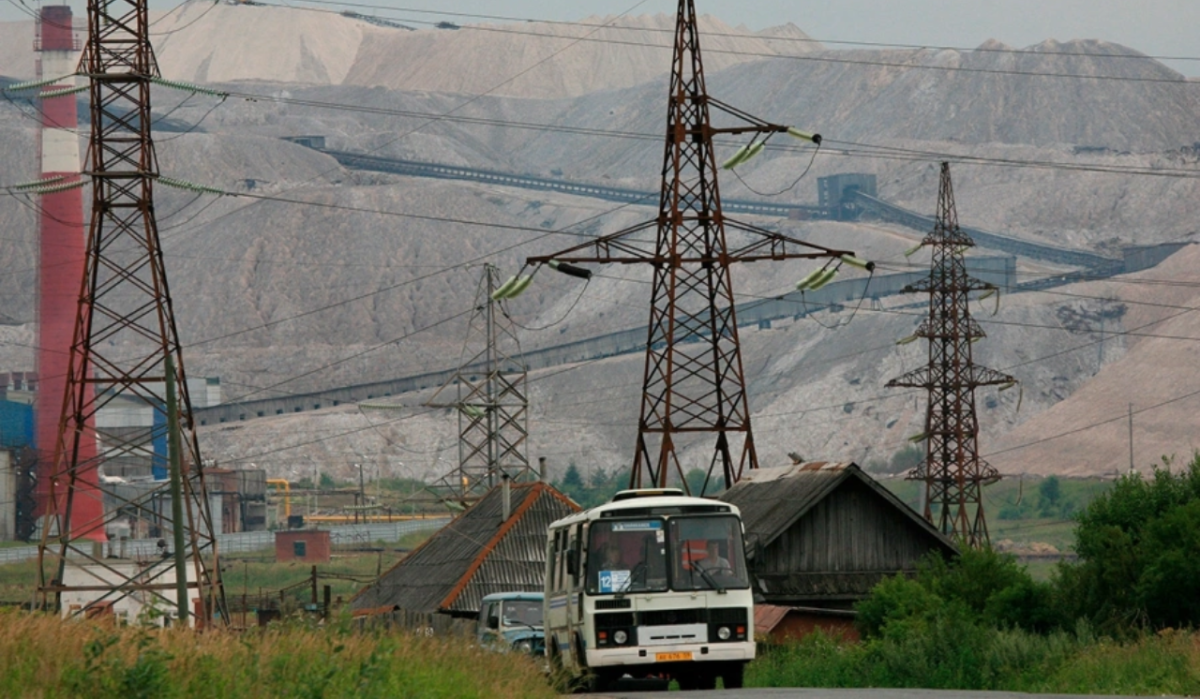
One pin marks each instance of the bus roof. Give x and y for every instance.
(642, 503)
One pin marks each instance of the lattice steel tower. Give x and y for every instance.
(694, 383)
(125, 345)
(492, 407)
(953, 473)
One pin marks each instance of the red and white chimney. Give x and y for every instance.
(60, 268)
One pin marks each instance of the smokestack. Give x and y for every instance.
(542, 469)
(506, 491)
(61, 256)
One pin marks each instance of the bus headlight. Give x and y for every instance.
(619, 637)
(723, 633)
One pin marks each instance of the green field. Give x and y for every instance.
(41, 656)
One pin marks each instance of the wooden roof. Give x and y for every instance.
(476, 554)
(771, 500)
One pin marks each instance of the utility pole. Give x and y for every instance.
(491, 402)
(694, 384)
(953, 473)
(1131, 437)
(124, 340)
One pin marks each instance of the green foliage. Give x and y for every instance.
(954, 652)
(599, 488)
(1138, 546)
(107, 674)
(696, 478)
(1050, 491)
(43, 656)
(987, 588)
(572, 480)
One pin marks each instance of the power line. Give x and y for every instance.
(796, 57)
(802, 40)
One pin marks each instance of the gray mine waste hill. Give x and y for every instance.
(310, 275)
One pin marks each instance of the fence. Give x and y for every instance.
(254, 541)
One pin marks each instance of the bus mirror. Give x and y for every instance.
(493, 622)
(572, 562)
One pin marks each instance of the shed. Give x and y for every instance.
(823, 534)
(782, 624)
(480, 552)
(311, 545)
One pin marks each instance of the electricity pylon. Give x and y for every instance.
(125, 356)
(953, 473)
(490, 399)
(694, 382)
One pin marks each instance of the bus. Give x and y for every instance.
(651, 584)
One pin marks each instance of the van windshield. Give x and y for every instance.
(522, 613)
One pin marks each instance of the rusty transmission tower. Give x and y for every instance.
(490, 399)
(694, 384)
(125, 359)
(953, 473)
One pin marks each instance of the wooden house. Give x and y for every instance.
(823, 534)
(498, 545)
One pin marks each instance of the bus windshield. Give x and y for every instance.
(627, 556)
(707, 553)
(654, 554)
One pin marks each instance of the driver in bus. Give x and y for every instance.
(612, 558)
(712, 560)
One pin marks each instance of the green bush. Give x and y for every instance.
(1139, 554)
(992, 587)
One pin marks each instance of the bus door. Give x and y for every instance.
(575, 594)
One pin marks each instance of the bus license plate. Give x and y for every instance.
(670, 657)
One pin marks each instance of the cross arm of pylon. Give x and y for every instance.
(917, 378)
(769, 245)
(933, 283)
(621, 247)
(754, 124)
(615, 247)
(983, 376)
(970, 330)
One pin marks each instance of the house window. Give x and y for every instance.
(298, 549)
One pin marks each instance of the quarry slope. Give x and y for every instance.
(311, 275)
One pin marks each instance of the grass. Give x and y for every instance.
(41, 656)
(971, 658)
(1017, 511)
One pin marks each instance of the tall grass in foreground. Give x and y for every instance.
(41, 656)
(969, 657)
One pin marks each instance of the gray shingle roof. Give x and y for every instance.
(772, 499)
(476, 554)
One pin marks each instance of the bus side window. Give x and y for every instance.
(576, 546)
(556, 582)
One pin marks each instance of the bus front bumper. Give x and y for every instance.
(683, 653)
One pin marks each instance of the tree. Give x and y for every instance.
(1050, 493)
(572, 480)
(1139, 553)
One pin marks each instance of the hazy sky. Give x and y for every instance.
(1156, 27)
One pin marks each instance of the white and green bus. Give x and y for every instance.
(652, 584)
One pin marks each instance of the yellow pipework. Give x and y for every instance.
(365, 518)
(287, 494)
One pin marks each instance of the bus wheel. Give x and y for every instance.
(734, 675)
